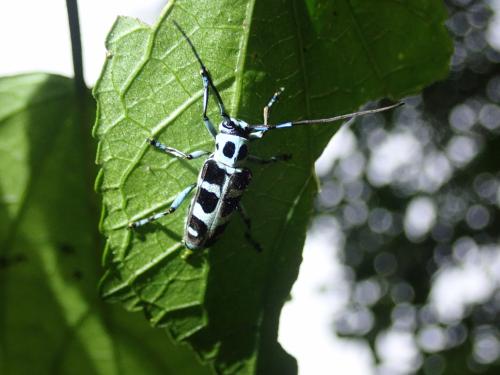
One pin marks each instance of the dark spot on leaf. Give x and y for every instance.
(66, 248)
(9, 261)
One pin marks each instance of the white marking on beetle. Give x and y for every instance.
(212, 188)
(193, 232)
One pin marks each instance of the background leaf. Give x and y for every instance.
(332, 56)
(51, 318)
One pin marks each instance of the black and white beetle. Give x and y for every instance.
(223, 177)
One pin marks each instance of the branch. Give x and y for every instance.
(76, 45)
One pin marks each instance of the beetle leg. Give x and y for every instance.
(207, 82)
(248, 229)
(273, 159)
(175, 204)
(174, 152)
(273, 100)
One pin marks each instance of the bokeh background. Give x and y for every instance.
(401, 268)
(407, 225)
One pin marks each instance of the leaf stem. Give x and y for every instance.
(76, 45)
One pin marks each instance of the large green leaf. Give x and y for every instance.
(332, 56)
(51, 318)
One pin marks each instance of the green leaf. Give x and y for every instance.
(332, 57)
(51, 317)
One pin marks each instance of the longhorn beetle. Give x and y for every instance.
(223, 177)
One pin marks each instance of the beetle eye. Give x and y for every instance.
(228, 124)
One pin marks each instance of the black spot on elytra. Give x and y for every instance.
(216, 234)
(229, 205)
(241, 180)
(213, 174)
(242, 152)
(220, 229)
(207, 200)
(228, 150)
(199, 226)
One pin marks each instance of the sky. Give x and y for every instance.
(34, 36)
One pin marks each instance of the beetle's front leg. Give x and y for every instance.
(205, 77)
(177, 153)
(273, 100)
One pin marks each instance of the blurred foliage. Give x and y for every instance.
(51, 318)
(417, 198)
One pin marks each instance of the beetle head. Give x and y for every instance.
(234, 126)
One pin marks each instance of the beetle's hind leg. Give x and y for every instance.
(248, 230)
(174, 152)
(175, 204)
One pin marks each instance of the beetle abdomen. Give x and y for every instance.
(220, 189)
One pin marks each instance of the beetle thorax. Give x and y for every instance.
(230, 150)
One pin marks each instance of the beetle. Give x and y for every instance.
(224, 177)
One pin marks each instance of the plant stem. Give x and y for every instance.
(76, 45)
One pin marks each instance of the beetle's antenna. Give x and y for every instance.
(259, 128)
(195, 52)
(207, 80)
(346, 116)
